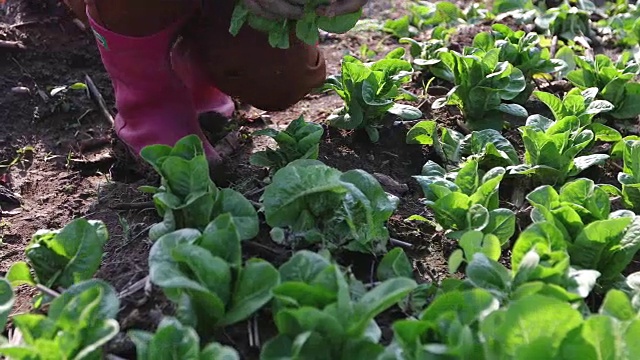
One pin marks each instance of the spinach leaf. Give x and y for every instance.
(187, 197)
(79, 323)
(318, 203)
(300, 140)
(370, 92)
(174, 340)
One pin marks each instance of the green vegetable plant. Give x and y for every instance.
(78, 323)
(488, 147)
(467, 200)
(615, 82)
(482, 85)
(187, 197)
(370, 92)
(496, 313)
(552, 149)
(426, 57)
(319, 316)
(61, 258)
(310, 202)
(306, 29)
(300, 140)
(424, 14)
(173, 340)
(622, 25)
(629, 177)
(523, 51)
(596, 237)
(203, 273)
(566, 21)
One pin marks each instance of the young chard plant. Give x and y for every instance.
(497, 313)
(79, 322)
(182, 342)
(615, 82)
(306, 29)
(567, 22)
(204, 275)
(61, 258)
(300, 140)
(426, 57)
(482, 84)
(488, 147)
(319, 316)
(552, 148)
(521, 50)
(319, 204)
(187, 197)
(596, 237)
(467, 200)
(630, 175)
(370, 92)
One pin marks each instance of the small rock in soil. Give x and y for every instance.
(391, 185)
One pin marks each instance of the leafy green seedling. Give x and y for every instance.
(614, 81)
(319, 316)
(370, 92)
(552, 149)
(319, 204)
(467, 200)
(181, 341)
(482, 85)
(300, 140)
(187, 197)
(204, 275)
(630, 175)
(79, 322)
(61, 258)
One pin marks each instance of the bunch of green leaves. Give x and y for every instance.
(613, 80)
(581, 104)
(622, 23)
(596, 237)
(512, 7)
(466, 324)
(320, 204)
(467, 200)
(79, 322)
(370, 92)
(424, 14)
(630, 175)
(61, 258)
(173, 340)
(305, 29)
(482, 83)
(300, 140)
(552, 149)
(320, 316)
(400, 28)
(488, 147)
(522, 50)
(468, 318)
(426, 57)
(204, 275)
(187, 197)
(566, 21)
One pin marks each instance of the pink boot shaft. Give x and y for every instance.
(154, 104)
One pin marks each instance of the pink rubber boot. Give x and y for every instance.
(154, 104)
(206, 97)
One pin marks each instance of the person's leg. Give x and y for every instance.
(135, 38)
(247, 67)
